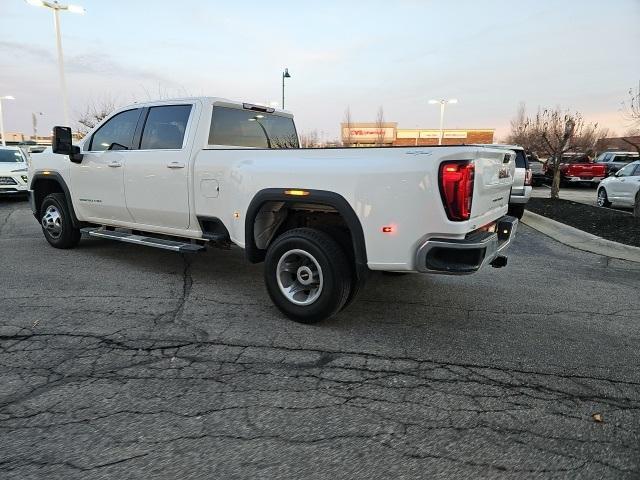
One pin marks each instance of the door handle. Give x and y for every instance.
(115, 164)
(175, 165)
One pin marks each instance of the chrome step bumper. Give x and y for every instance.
(465, 256)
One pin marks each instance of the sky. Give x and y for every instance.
(491, 55)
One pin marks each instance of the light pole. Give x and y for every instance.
(34, 124)
(442, 103)
(285, 74)
(6, 97)
(57, 7)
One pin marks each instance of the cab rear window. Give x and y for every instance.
(248, 128)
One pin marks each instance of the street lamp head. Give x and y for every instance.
(433, 102)
(76, 9)
(286, 73)
(453, 100)
(7, 97)
(56, 6)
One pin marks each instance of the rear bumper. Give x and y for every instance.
(522, 196)
(461, 257)
(583, 179)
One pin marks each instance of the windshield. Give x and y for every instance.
(248, 128)
(11, 156)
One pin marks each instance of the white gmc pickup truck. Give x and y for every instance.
(190, 173)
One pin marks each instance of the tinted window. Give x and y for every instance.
(637, 172)
(248, 128)
(119, 130)
(625, 158)
(165, 127)
(11, 156)
(521, 160)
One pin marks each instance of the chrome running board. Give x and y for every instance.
(173, 245)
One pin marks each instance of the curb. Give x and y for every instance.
(579, 239)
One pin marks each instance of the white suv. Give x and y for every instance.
(13, 171)
(622, 189)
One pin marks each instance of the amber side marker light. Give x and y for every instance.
(297, 193)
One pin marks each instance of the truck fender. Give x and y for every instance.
(48, 180)
(323, 197)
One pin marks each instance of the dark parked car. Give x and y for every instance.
(537, 170)
(614, 161)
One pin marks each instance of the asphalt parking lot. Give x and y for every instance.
(575, 193)
(121, 361)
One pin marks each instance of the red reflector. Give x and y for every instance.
(456, 188)
(387, 229)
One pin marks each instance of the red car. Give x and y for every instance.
(577, 168)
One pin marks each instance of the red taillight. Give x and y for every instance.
(456, 188)
(528, 177)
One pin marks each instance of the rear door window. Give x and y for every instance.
(248, 128)
(165, 127)
(521, 159)
(117, 133)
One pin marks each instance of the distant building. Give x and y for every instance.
(388, 134)
(618, 143)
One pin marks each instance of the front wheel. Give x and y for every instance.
(56, 222)
(603, 200)
(307, 275)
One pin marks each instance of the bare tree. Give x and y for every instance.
(94, 113)
(556, 132)
(380, 127)
(631, 107)
(309, 139)
(631, 113)
(346, 125)
(519, 127)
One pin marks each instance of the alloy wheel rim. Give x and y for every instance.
(52, 221)
(601, 200)
(299, 277)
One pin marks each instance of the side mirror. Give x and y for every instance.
(62, 140)
(62, 143)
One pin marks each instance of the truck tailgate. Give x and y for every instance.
(494, 170)
(586, 170)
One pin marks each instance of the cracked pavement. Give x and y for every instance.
(121, 361)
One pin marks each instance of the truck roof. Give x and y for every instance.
(212, 100)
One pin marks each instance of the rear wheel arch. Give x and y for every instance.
(276, 197)
(44, 184)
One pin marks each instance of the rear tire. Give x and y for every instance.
(307, 275)
(603, 199)
(516, 211)
(55, 219)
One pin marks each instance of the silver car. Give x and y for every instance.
(621, 189)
